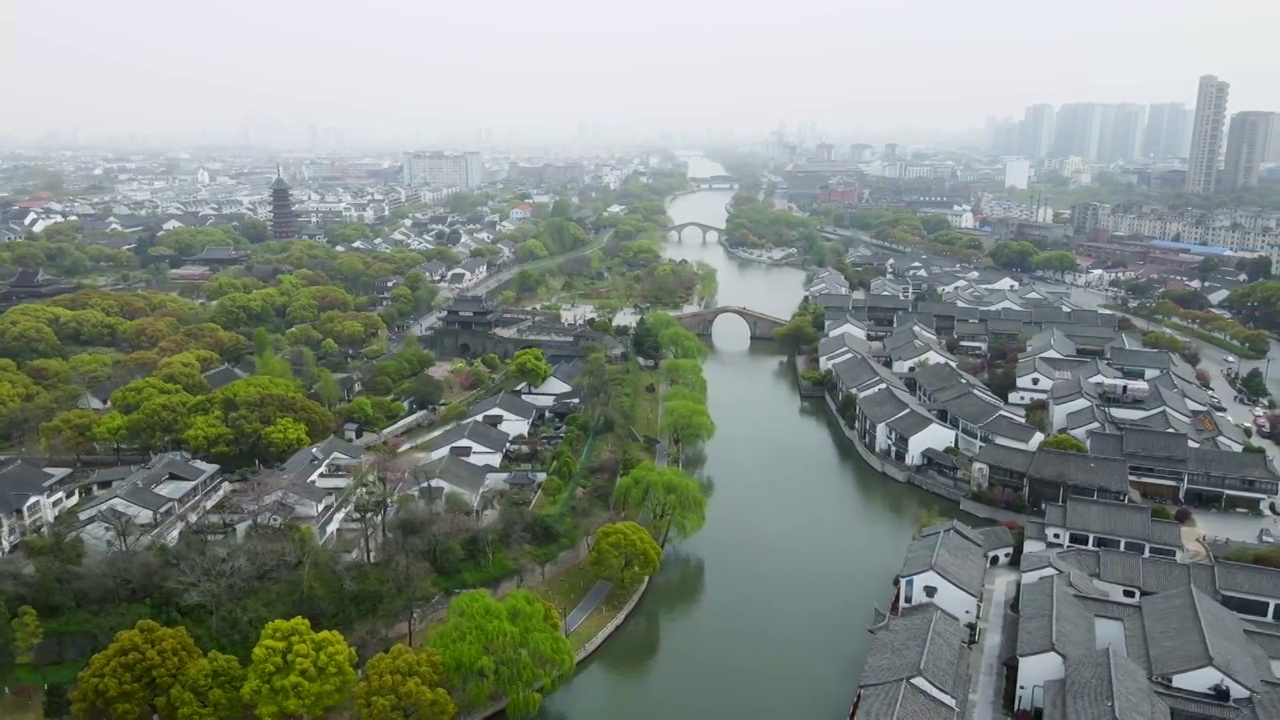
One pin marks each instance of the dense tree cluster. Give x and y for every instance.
(758, 225)
(1255, 341)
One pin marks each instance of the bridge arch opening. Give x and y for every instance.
(729, 330)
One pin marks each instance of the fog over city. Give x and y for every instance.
(401, 72)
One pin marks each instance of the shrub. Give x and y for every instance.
(1161, 512)
(1182, 515)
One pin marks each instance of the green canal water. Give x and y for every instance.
(763, 614)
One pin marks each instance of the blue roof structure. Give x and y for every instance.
(1188, 247)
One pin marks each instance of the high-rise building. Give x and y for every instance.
(890, 151)
(1036, 131)
(1273, 151)
(1000, 137)
(282, 216)
(1166, 132)
(1207, 129)
(441, 169)
(1248, 139)
(1121, 134)
(1079, 130)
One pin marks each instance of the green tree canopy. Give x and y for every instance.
(1057, 262)
(209, 689)
(404, 684)
(624, 553)
(1063, 441)
(27, 635)
(530, 366)
(512, 648)
(666, 497)
(298, 671)
(1011, 255)
(131, 679)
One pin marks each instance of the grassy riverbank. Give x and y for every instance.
(567, 590)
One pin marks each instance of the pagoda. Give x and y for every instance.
(282, 217)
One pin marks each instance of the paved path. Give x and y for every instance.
(601, 588)
(985, 700)
(589, 603)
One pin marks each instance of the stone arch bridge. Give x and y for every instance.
(762, 326)
(702, 228)
(715, 182)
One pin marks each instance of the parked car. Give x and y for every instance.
(1266, 536)
(1217, 405)
(1229, 359)
(1258, 412)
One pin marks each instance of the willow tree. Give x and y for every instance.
(667, 499)
(511, 648)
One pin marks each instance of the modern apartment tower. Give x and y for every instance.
(441, 169)
(1167, 132)
(1207, 130)
(1079, 130)
(1122, 129)
(1248, 139)
(1037, 131)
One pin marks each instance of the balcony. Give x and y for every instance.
(1258, 488)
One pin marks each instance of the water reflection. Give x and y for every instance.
(672, 592)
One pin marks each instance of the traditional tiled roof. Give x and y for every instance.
(953, 551)
(1187, 630)
(1117, 519)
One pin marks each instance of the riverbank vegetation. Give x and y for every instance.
(629, 270)
(757, 225)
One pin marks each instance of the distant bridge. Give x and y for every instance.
(762, 326)
(715, 182)
(714, 185)
(702, 227)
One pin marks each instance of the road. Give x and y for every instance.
(1211, 359)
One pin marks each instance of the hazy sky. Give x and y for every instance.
(393, 67)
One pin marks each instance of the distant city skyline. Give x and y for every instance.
(99, 71)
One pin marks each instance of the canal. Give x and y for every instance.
(763, 614)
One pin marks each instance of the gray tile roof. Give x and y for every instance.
(952, 551)
(1116, 519)
(995, 537)
(923, 642)
(1187, 630)
(881, 406)
(1105, 685)
(857, 371)
(971, 408)
(1007, 427)
(910, 423)
(1080, 469)
(1106, 444)
(457, 472)
(1003, 456)
(1226, 462)
(477, 432)
(843, 341)
(510, 402)
(1053, 620)
(309, 459)
(1234, 577)
(1127, 357)
(901, 701)
(19, 481)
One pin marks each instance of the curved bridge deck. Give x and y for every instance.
(762, 326)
